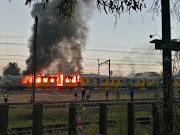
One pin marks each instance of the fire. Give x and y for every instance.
(60, 80)
(56, 80)
(74, 79)
(45, 80)
(38, 80)
(52, 80)
(78, 78)
(67, 80)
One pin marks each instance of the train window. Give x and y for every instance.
(110, 81)
(83, 81)
(150, 81)
(103, 81)
(140, 81)
(115, 81)
(90, 81)
(121, 81)
(134, 81)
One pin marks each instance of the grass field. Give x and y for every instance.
(23, 96)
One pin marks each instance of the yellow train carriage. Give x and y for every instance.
(176, 82)
(153, 83)
(137, 82)
(114, 82)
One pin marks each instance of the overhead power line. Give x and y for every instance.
(13, 37)
(93, 49)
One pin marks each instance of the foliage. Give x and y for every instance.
(64, 9)
(58, 114)
(156, 95)
(20, 116)
(11, 69)
(121, 6)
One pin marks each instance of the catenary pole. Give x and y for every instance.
(34, 55)
(167, 69)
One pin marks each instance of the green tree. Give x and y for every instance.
(65, 8)
(11, 69)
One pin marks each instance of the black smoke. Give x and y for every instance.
(59, 44)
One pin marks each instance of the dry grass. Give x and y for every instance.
(55, 96)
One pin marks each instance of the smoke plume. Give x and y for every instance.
(59, 43)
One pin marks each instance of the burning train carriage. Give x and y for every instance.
(70, 82)
(53, 81)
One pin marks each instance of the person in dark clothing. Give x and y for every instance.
(83, 94)
(76, 95)
(107, 93)
(5, 97)
(87, 94)
(132, 94)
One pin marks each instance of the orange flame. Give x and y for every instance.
(38, 80)
(56, 79)
(78, 78)
(45, 80)
(60, 80)
(67, 80)
(52, 80)
(74, 79)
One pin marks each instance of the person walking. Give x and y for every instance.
(107, 93)
(83, 94)
(132, 94)
(5, 97)
(76, 95)
(87, 94)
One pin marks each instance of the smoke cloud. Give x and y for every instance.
(59, 44)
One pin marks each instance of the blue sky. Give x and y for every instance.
(127, 45)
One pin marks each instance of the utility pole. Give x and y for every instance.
(98, 66)
(107, 61)
(167, 69)
(34, 55)
(167, 45)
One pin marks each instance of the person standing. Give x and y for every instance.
(107, 93)
(76, 95)
(87, 94)
(5, 97)
(83, 94)
(132, 94)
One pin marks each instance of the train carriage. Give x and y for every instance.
(152, 83)
(137, 82)
(103, 81)
(88, 81)
(70, 82)
(176, 82)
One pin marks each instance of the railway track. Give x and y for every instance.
(64, 128)
(62, 104)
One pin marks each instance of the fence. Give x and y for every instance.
(103, 118)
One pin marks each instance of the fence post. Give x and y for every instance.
(155, 114)
(103, 119)
(130, 115)
(4, 110)
(72, 121)
(37, 119)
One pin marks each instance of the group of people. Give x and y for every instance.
(84, 93)
(87, 94)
